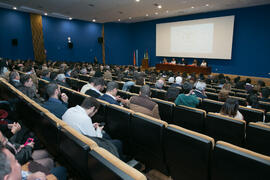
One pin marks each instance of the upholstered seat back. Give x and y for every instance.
(189, 118)
(225, 128)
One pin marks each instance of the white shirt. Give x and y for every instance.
(78, 119)
(203, 64)
(86, 87)
(239, 116)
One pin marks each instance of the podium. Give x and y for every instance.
(145, 63)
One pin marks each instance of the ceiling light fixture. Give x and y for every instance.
(14, 8)
(94, 20)
(159, 6)
(146, 15)
(167, 11)
(192, 7)
(207, 5)
(119, 19)
(46, 14)
(156, 13)
(137, 0)
(70, 18)
(130, 18)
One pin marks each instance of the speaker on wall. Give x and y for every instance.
(14, 42)
(70, 45)
(100, 40)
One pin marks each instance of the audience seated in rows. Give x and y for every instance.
(144, 104)
(200, 89)
(46, 75)
(53, 76)
(14, 79)
(178, 82)
(248, 85)
(25, 153)
(79, 118)
(54, 104)
(230, 108)
(172, 94)
(11, 169)
(159, 84)
(27, 87)
(110, 95)
(107, 74)
(223, 95)
(61, 80)
(4, 72)
(265, 92)
(187, 98)
(96, 90)
(253, 101)
(88, 86)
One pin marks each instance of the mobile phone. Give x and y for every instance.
(102, 124)
(28, 141)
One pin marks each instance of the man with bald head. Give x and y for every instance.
(144, 104)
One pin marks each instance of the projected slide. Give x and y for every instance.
(203, 38)
(192, 38)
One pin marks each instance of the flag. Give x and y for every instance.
(137, 62)
(134, 59)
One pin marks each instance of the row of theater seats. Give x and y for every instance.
(167, 108)
(182, 153)
(219, 127)
(84, 157)
(160, 94)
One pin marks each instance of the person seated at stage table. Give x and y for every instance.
(195, 63)
(204, 63)
(184, 62)
(173, 61)
(165, 61)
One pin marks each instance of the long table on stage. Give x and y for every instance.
(183, 68)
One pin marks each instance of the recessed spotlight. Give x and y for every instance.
(130, 18)
(159, 6)
(46, 14)
(207, 5)
(167, 11)
(94, 20)
(137, 0)
(156, 13)
(14, 8)
(119, 19)
(192, 7)
(70, 18)
(146, 15)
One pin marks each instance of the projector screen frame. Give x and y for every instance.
(218, 52)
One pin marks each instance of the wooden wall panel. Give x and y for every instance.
(37, 38)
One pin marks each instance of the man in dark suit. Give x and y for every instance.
(110, 95)
(54, 104)
(98, 87)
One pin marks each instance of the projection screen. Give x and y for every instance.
(204, 38)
